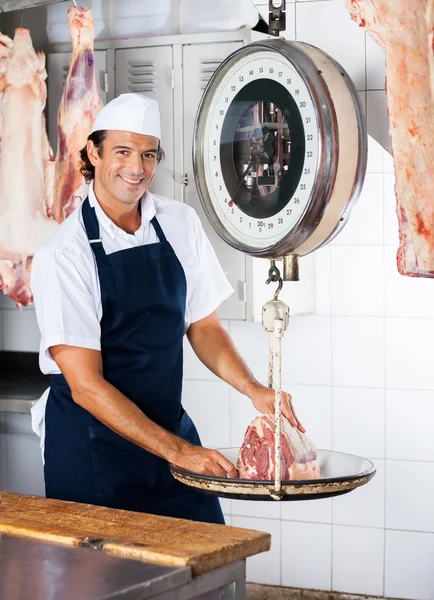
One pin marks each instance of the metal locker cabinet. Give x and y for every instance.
(199, 63)
(57, 66)
(149, 71)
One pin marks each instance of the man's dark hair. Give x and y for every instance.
(97, 137)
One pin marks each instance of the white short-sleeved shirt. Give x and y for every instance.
(65, 281)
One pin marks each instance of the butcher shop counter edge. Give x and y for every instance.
(204, 547)
(21, 381)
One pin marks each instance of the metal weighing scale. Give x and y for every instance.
(280, 155)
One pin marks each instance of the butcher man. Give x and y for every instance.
(116, 288)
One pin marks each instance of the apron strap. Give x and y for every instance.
(158, 230)
(92, 229)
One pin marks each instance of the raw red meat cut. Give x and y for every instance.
(256, 456)
(404, 28)
(78, 109)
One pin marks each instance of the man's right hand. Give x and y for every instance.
(204, 462)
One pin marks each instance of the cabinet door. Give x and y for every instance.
(199, 63)
(148, 71)
(57, 67)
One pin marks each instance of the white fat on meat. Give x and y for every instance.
(404, 28)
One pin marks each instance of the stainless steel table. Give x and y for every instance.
(38, 570)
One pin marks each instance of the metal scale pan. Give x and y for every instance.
(340, 473)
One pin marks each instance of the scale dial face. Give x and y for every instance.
(261, 150)
(261, 146)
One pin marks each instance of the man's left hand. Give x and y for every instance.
(263, 399)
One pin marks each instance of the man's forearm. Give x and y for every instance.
(216, 350)
(117, 412)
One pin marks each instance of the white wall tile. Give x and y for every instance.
(322, 274)
(306, 351)
(406, 296)
(365, 225)
(252, 343)
(306, 555)
(375, 65)
(357, 286)
(409, 419)
(378, 120)
(20, 330)
(265, 567)
(312, 511)
(358, 351)
(193, 368)
(313, 406)
(375, 156)
(409, 363)
(358, 557)
(363, 507)
(328, 25)
(226, 504)
(207, 402)
(242, 414)
(388, 166)
(391, 232)
(410, 495)
(269, 509)
(289, 33)
(409, 569)
(354, 428)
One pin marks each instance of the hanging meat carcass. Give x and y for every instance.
(78, 109)
(24, 223)
(404, 28)
(30, 202)
(256, 456)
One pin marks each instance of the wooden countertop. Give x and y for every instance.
(162, 540)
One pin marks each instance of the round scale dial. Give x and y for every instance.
(265, 150)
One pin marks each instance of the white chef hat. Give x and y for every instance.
(130, 112)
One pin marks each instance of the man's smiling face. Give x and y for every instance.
(125, 165)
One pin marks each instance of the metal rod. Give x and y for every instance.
(21, 20)
(277, 372)
(271, 362)
(75, 3)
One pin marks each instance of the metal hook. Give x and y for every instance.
(75, 3)
(274, 275)
(21, 22)
(279, 288)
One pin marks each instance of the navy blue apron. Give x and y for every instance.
(143, 294)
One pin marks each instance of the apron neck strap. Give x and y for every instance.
(160, 234)
(92, 229)
(90, 221)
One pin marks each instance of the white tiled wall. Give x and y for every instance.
(360, 371)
